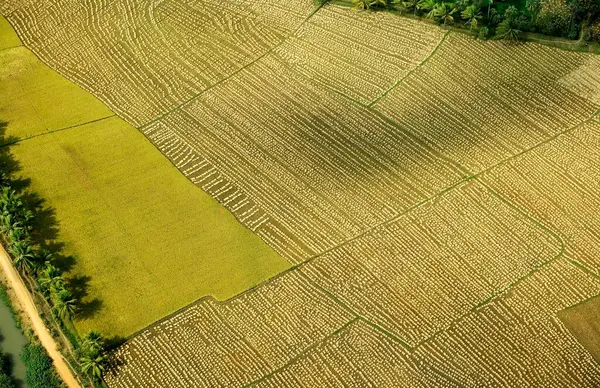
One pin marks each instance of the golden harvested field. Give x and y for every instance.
(436, 195)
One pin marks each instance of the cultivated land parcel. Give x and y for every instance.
(145, 241)
(432, 197)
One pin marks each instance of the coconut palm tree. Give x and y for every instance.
(50, 278)
(428, 6)
(508, 31)
(93, 364)
(92, 342)
(362, 4)
(533, 7)
(9, 223)
(23, 255)
(64, 304)
(471, 14)
(411, 5)
(444, 12)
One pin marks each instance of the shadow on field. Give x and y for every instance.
(44, 232)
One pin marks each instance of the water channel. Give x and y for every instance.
(12, 342)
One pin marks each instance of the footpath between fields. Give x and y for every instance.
(25, 303)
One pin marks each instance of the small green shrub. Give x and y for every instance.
(39, 372)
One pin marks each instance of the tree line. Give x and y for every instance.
(37, 265)
(502, 19)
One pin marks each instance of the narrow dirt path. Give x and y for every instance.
(27, 305)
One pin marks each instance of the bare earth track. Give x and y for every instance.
(434, 194)
(26, 304)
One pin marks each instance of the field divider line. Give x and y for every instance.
(379, 328)
(536, 222)
(343, 304)
(583, 267)
(303, 352)
(421, 63)
(56, 130)
(506, 289)
(234, 73)
(12, 47)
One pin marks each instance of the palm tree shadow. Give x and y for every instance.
(45, 225)
(89, 309)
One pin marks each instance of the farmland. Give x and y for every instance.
(431, 197)
(120, 207)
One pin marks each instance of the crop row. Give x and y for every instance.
(517, 340)
(559, 182)
(481, 102)
(323, 170)
(358, 54)
(142, 58)
(231, 343)
(416, 275)
(358, 356)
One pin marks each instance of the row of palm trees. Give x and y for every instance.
(447, 12)
(444, 12)
(16, 223)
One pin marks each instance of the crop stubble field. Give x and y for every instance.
(435, 194)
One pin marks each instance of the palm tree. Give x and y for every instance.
(50, 278)
(8, 223)
(93, 364)
(23, 255)
(471, 14)
(411, 5)
(428, 6)
(93, 341)
(362, 4)
(490, 2)
(17, 233)
(444, 12)
(64, 304)
(379, 3)
(533, 7)
(508, 31)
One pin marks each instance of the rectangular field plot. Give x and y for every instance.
(359, 54)
(416, 275)
(517, 340)
(559, 184)
(142, 58)
(231, 343)
(481, 102)
(358, 356)
(301, 167)
(145, 240)
(29, 91)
